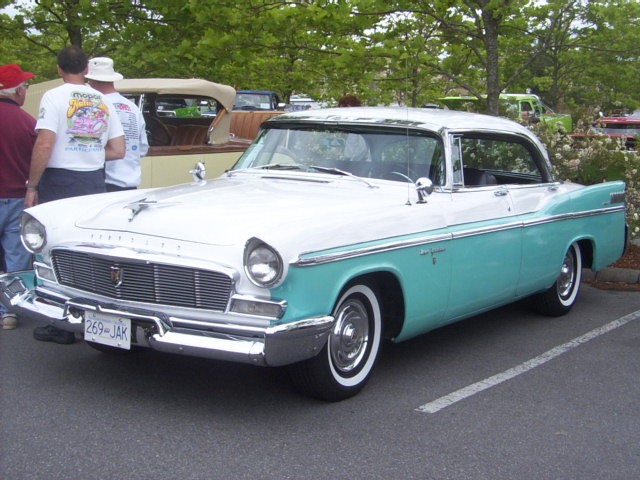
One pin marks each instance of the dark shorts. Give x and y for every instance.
(115, 188)
(58, 183)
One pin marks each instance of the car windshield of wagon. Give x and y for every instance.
(374, 153)
(253, 101)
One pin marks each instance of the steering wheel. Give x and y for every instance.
(157, 132)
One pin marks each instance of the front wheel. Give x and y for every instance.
(344, 365)
(559, 299)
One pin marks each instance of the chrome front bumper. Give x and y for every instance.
(271, 346)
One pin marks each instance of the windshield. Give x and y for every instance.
(253, 101)
(370, 153)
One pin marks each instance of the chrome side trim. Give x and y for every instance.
(485, 230)
(570, 216)
(359, 252)
(428, 239)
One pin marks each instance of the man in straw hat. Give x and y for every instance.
(124, 174)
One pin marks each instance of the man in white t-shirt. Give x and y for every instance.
(78, 131)
(124, 174)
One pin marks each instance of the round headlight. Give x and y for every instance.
(34, 235)
(262, 263)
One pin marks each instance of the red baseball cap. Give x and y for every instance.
(11, 75)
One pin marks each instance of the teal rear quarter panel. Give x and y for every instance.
(593, 216)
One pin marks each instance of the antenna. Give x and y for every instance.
(406, 107)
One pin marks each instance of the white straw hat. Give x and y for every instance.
(101, 69)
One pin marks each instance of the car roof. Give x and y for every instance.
(224, 94)
(432, 119)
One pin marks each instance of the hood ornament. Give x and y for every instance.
(137, 206)
(199, 172)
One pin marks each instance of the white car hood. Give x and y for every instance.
(229, 210)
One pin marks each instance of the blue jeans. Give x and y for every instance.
(16, 257)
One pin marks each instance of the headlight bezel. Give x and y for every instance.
(259, 255)
(30, 226)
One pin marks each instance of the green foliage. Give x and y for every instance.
(578, 55)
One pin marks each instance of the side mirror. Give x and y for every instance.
(424, 187)
(199, 172)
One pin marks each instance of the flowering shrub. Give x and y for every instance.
(589, 158)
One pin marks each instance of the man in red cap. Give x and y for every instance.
(17, 137)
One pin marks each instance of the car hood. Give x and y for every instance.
(231, 209)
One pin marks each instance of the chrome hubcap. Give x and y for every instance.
(350, 336)
(567, 277)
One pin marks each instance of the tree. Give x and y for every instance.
(41, 28)
(575, 52)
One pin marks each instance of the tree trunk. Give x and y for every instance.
(491, 26)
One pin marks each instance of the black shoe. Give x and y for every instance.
(53, 334)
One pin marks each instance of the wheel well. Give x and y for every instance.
(391, 298)
(586, 252)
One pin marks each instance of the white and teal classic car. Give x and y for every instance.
(337, 229)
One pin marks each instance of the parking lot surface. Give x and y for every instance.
(504, 395)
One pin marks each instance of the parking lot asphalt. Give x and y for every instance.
(505, 395)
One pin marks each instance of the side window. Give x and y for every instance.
(493, 161)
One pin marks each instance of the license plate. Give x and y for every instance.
(107, 329)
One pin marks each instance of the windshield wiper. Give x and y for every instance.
(269, 166)
(306, 168)
(281, 166)
(337, 171)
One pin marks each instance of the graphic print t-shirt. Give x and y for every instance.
(83, 122)
(127, 172)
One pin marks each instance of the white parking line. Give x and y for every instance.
(470, 390)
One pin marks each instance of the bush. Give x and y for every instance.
(589, 158)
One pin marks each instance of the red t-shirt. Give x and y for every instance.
(17, 136)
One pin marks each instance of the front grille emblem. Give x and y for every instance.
(116, 274)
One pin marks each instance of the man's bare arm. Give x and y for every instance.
(39, 160)
(115, 148)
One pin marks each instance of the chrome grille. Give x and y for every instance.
(142, 281)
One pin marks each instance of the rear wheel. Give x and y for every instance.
(559, 299)
(344, 365)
